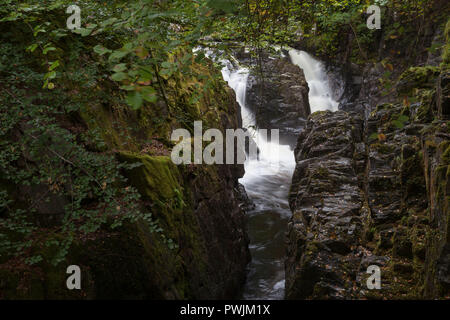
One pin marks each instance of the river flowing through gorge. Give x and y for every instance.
(267, 181)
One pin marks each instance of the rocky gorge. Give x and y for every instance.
(358, 178)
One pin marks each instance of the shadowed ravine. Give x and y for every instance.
(267, 182)
(220, 150)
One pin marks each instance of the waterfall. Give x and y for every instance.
(237, 80)
(273, 157)
(267, 181)
(320, 97)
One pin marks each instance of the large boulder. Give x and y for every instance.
(373, 192)
(328, 207)
(279, 97)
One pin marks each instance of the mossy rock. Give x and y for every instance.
(156, 178)
(425, 110)
(132, 261)
(160, 183)
(383, 148)
(445, 146)
(417, 78)
(402, 244)
(446, 49)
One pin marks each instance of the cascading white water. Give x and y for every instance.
(267, 181)
(237, 80)
(272, 157)
(320, 97)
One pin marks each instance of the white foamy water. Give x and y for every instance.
(273, 157)
(320, 97)
(237, 80)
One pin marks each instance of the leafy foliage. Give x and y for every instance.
(56, 184)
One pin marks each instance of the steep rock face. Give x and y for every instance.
(199, 252)
(217, 203)
(196, 245)
(279, 98)
(436, 151)
(327, 204)
(205, 221)
(373, 192)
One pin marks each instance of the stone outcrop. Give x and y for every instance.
(374, 192)
(279, 98)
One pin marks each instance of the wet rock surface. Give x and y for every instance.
(327, 202)
(279, 98)
(219, 203)
(373, 191)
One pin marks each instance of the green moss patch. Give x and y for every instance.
(417, 78)
(156, 178)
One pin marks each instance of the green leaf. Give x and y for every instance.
(186, 60)
(108, 22)
(128, 46)
(149, 94)
(151, 99)
(119, 76)
(58, 34)
(128, 88)
(403, 118)
(174, 43)
(101, 50)
(146, 73)
(50, 75)
(141, 52)
(54, 65)
(387, 74)
(120, 67)
(133, 73)
(32, 47)
(166, 73)
(37, 30)
(134, 100)
(47, 49)
(117, 55)
(84, 32)
(166, 65)
(154, 16)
